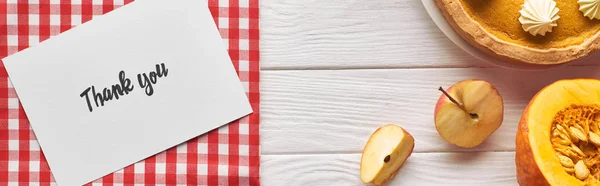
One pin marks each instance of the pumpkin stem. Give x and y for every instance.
(460, 105)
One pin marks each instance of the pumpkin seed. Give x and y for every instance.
(577, 150)
(578, 134)
(581, 171)
(595, 138)
(561, 128)
(561, 141)
(565, 137)
(555, 133)
(566, 161)
(568, 153)
(579, 126)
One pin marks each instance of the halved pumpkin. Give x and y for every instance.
(557, 130)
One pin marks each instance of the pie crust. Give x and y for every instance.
(475, 34)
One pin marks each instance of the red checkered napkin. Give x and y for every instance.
(226, 156)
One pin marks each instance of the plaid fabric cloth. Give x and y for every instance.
(226, 156)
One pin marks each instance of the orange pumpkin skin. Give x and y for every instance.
(537, 165)
(528, 173)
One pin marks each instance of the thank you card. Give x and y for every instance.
(125, 86)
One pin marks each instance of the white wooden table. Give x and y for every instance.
(335, 70)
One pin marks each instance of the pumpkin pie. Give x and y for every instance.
(536, 32)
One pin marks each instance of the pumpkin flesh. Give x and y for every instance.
(536, 158)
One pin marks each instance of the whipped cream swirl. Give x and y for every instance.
(590, 8)
(539, 16)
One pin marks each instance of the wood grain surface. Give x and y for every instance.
(334, 71)
(465, 168)
(323, 111)
(350, 34)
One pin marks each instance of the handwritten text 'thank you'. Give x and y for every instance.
(124, 87)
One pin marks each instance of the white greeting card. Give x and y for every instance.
(125, 86)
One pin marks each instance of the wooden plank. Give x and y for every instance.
(473, 168)
(327, 111)
(353, 33)
(341, 34)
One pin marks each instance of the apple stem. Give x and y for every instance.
(460, 105)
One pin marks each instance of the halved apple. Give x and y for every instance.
(385, 152)
(468, 113)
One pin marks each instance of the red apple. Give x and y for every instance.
(384, 153)
(468, 112)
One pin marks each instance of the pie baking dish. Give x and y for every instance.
(493, 27)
